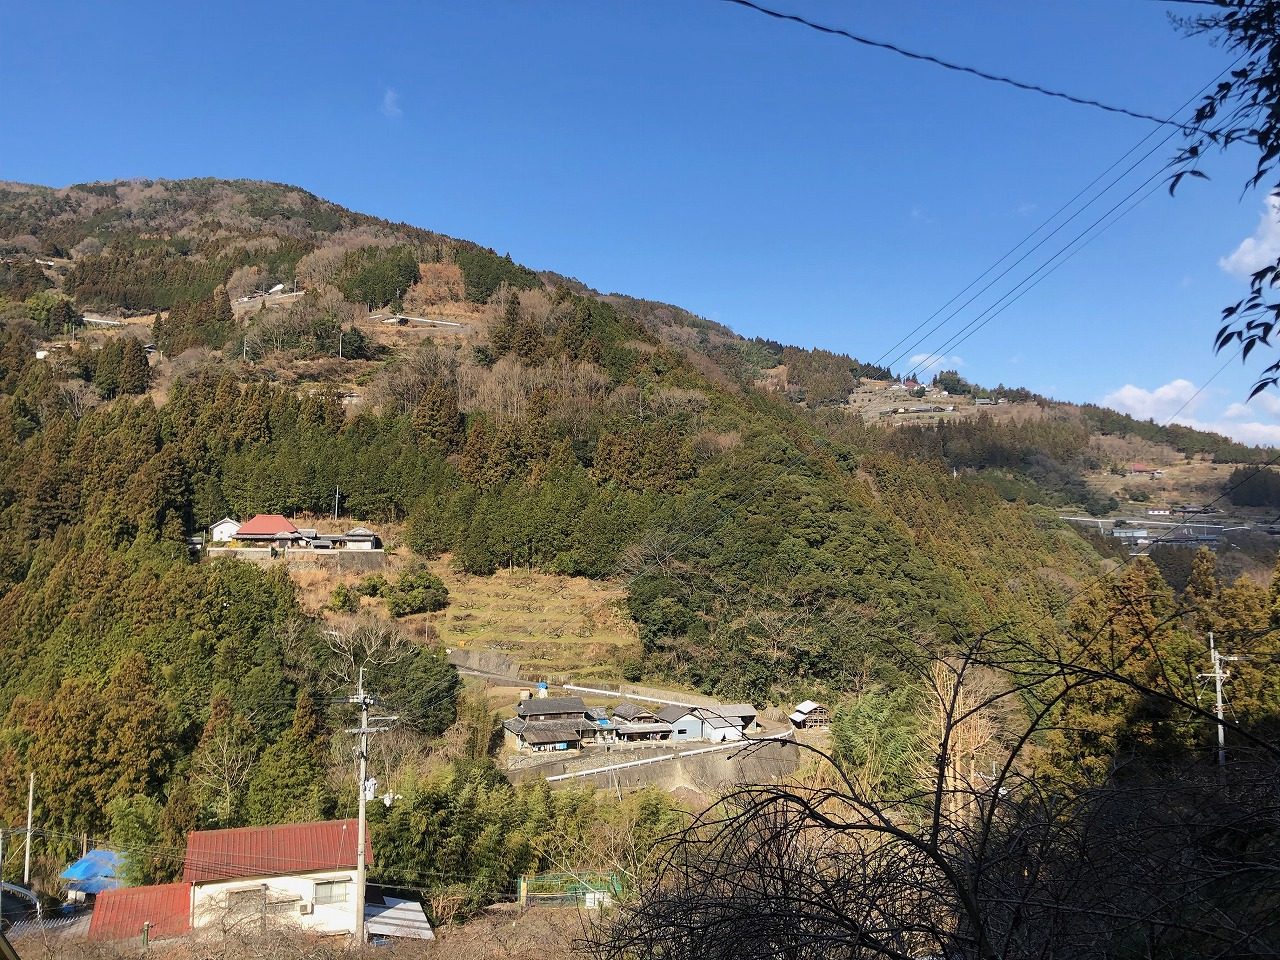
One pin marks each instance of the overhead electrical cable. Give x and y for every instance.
(1120, 178)
(1059, 212)
(947, 64)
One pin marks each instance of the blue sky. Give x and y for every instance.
(788, 184)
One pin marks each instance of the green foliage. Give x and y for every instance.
(135, 829)
(20, 279)
(416, 590)
(376, 276)
(1251, 487)
(203, 323)
(483, 271)
(421, 688)
(474, 835)
(824, 378)
(143, 275)
(953, 383)
(118, 367)
(371, 585)
(1183, 439)
(344, 599)
(288, 784)
(53, 313)
(875, 738)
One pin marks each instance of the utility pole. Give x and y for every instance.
(335, 504)
(31, 802)
(364, 701)
(1218, 677)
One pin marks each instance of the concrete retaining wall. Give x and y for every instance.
(488, 661)
(709, 773)
(360, 561)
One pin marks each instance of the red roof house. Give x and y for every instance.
(121, 914)
(291, 848)
(266, 526)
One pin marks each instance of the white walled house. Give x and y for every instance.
(297, 874)
(224, 530)
(302, 873)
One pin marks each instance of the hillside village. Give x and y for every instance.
(558, 571)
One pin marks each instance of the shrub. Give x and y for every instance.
(416, 590)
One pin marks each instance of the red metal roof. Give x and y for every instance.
(272, 851)
(266, 524)
(120, 914)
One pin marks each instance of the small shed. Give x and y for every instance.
(811, 715)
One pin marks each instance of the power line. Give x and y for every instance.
(1061, 226)
(1043, 271)
(948, 65)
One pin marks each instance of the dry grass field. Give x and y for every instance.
(552, 625)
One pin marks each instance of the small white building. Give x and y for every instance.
(303, 873)
(295, 874)
(224, 530)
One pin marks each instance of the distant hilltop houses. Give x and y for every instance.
(272, 535)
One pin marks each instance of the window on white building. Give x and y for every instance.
(333, 891)
(248, 901)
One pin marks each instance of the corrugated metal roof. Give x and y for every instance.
(272, 851)
(121, 914)
(673, 713)
(392, 917)
(266, 524)
(550, 705)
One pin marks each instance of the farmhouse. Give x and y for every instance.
(685, 722)
(716, 724)
(556, 723)
(302, 874)
(628, 712)
(277, 532)
(267, 530)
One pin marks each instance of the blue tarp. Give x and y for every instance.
(96, 871)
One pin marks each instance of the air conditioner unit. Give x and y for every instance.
(305, 908)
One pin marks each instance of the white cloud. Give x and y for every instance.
(1267, 403)
(1158, 404)
(1179, 400)
(928, 363)
(1257, 434)
(1260, 250)
(920, 215)
(1026, 208)
(390, 104)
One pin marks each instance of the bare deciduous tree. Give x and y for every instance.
(1164, 857)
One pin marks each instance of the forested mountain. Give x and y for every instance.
(768, 549)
